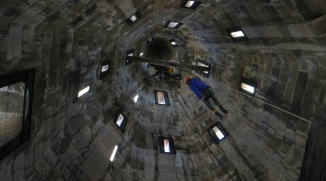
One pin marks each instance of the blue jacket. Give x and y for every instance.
(197, 86)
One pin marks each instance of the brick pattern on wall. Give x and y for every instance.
(72, 139)
(264, 142)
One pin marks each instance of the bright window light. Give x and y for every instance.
(82, 92)
(114, 152)
(218, 132)
(206, 72)
(160, 98)
(166, 146)
(173, 43)
(201, 64)
(133, 18)
(237, 34)
(189, 4)
(136, 97)
(130, 55)
(172, 24)
(120, 120)
(105, 68)
(247, 87)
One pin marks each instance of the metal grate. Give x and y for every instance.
(11, 111)
(16, 94)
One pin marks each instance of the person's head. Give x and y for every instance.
(187, 79)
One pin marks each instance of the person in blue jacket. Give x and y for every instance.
(205, 92)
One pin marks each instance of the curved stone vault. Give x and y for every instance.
(275, 135)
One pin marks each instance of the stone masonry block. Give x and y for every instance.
(14, 42)
(19, 175)
(284, 150)
(50, 157)
(44, 168)
(149, 175)
(300, 141)
(19, 162)
(38, 151)
(273, 121)
(294, 158)
(305, 30)
(295, 31)
(276, 171)
(289, 134)
(293, 173)
(318, 25)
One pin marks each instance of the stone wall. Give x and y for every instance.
(264, 143)
(73, 138)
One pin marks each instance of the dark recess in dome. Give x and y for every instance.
(159, 48)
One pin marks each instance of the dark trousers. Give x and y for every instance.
(168, 75)
(209, 94)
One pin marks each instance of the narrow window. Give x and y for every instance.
(204, 73)
(105, 69)
(130, 53)
(173, 43)
(237, 34)
(16, 94)
(82, 92)
(190, 4)
(166, 145)
(133, 18)
(172, 25)
(113, 153)
(248, 86)
(136, 98)
(161, 98)
(217, 132)
(150, 40)
(120, 120)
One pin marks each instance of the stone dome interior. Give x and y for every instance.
(275, 135)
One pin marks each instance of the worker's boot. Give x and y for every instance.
(223, 109)
(219, 115)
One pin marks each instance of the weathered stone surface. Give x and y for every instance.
(73, 138)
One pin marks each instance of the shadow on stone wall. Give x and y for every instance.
(313, 167)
